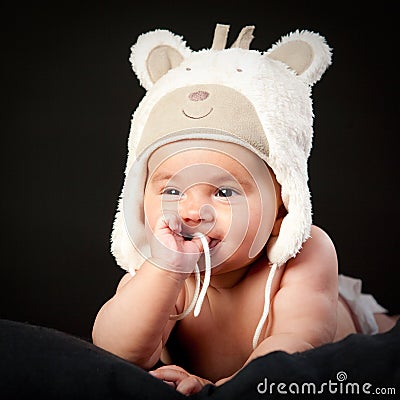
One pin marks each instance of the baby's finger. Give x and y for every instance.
(172, 367)
(173, 222)
(170, 375)
(168, 222)
(189, 386)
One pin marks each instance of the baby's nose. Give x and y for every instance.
(196, 212)
(200, 95)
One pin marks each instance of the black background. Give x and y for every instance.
(68, 95)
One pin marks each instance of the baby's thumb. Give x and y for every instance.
(173, 222)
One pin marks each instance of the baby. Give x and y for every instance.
(216, 194)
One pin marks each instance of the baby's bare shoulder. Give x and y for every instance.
(319, 237)
(316, 262)
(317, 248)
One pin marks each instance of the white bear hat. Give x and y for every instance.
(260, 100)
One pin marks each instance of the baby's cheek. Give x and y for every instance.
(224, 225)
(262, 219)
(240, 221)
(151, 213)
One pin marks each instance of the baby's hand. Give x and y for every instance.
(181, 380)
(170, 249)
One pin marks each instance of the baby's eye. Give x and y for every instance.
(171, 192)
(225, 192)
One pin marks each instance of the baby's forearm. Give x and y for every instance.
(131, 324)
(289, 343)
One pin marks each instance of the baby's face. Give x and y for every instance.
(221, 190)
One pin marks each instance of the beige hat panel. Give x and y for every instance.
(204, 106)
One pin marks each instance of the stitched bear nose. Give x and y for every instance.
(200, 95)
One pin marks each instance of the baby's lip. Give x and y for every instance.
(212, 242)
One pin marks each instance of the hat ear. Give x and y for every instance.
(155, 53)
(306, 53)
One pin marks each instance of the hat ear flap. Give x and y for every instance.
(306, 53)
(155, 53)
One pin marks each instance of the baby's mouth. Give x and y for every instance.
(212, 242)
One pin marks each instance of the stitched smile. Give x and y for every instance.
(202, 116)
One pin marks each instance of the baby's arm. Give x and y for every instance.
(135, 324)
(303, 312)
